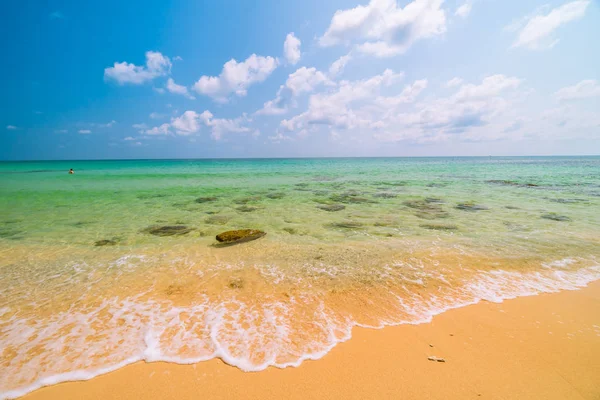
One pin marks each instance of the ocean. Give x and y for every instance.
(89, 282)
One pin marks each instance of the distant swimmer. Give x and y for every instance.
(71, 172)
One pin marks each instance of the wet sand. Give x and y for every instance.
(540, 347)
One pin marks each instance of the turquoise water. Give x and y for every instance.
(86, 288)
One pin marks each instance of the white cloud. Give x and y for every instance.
(187, 123)
(383, 29)
(337, 67)
(376, 108)
(84, 131)
(129, 138)
(122, 73)
(303, 80)
(490, 86)
(158, 130)
(177, 58)
(107, 125)
(537, 32)
(190, 122)
(141, 128)
(172, 87)
(236, 77)
(584, 89)
(343, 106)
(453, 82)
(155, 115)
(11, 127)
(291, 48)
(464, 10)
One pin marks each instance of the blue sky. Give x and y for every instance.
(194, 79)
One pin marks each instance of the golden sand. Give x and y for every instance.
(541, 347)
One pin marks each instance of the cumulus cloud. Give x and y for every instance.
(84, 131)
(337, 67)
(158, 130)
(378, 108)
(172, 87)
(123, 73)
(236, 77)
(338, 106)
(291, 48)
(536, 34)
(464, 10)
(191, 122)
(384, 29)
(582, 90)
(303, 80)
(453, 82)
(129, 138)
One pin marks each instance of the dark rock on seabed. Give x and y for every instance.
(105, 242)
(168, 230)
(205, 199)
(239, 236)
(555, 217)
(470, 206)
(332, 207)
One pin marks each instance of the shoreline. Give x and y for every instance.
(543, 346)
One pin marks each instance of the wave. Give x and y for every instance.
(251, 335)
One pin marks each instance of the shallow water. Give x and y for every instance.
(367, 242)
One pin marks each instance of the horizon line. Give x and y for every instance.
(294, 158)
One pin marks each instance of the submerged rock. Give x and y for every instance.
(246, 209)
(217, 220)
(206, 199)
(276, 196)
(239, 236)
(440, 227)
(568, 201)
(351, 197)
(427, 210)
(507, 182)
(470, 206)
(237, 283)
(346, 225)
(556, 217)
(169, 230)
(246, 200)
(105, 242)
(385, 195)
(331, 207)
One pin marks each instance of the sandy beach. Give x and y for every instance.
(540, 347)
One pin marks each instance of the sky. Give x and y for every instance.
(310, 78)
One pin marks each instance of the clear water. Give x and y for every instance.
(416, 236)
